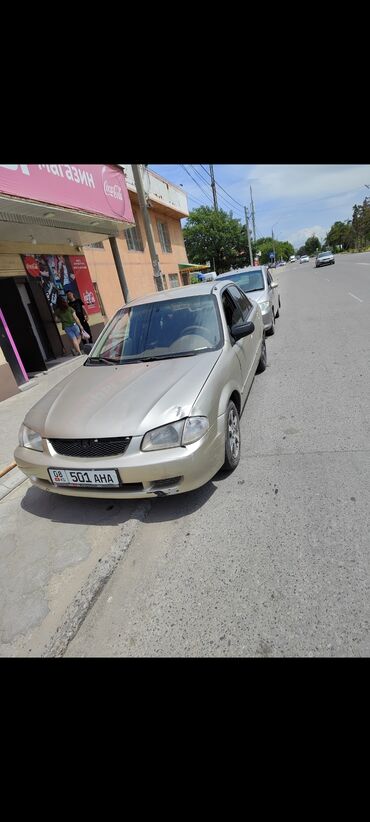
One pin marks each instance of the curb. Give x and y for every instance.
(12, 479)
(88, 594)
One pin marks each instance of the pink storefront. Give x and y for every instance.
(47, 214)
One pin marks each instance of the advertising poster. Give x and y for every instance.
(58, 273)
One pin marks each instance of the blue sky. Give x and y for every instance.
(298, 200)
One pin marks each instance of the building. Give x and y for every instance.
(167, 206)
(57, 227)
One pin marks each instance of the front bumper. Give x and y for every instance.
(328, 262)
(189, 467)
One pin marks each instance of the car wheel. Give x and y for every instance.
(232, 438)
(271, 332)
(263, 358)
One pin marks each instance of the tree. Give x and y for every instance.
(340, 235)
(216, 236)
(312, 245)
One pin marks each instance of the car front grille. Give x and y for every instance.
(91, 448)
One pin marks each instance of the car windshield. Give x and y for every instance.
(248, 280)
(163, 329)
(325, 254)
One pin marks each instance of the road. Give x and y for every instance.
(272, 560)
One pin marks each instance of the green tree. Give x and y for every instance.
(312, 245)
(340, 235)
(216, 236)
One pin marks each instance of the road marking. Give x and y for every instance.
(362, 263)
(327, 280)
(354, 296)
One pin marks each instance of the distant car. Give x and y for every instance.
(258, 284)
(292, 258)
(305, 259)
(281, 262)
(324, 258)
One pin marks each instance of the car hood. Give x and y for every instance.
(124, 400)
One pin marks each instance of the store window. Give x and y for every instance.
(174, 280)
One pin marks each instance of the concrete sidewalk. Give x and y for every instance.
(12, 414)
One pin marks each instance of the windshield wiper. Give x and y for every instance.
(102, 359)
(162, 357)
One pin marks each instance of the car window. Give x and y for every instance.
(161, 329)
(233, 312)
(241, 301)
(269, 278)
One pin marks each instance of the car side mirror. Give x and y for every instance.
(239, 331)
(274, 284)
(87, 348)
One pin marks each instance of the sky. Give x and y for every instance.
(295, 200)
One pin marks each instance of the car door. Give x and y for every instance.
(273, 293)
(239, 310)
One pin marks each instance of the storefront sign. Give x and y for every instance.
(97, 189)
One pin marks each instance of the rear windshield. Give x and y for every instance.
(248, 280)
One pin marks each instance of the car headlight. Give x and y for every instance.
(175, 434)
(30, 439)
(264, 306)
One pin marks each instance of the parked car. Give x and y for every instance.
(305, 259)
(324, 258)
(280, 263)
(292, 258)
(258, 284)
(155, 407)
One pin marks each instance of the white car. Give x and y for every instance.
(292, 259)
(305, 259)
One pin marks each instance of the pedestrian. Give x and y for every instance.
(70, 322)
(79, 308)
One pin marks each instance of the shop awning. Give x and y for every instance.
(184, 267)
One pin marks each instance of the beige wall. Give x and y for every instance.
(136, 264)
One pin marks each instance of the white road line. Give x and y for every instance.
(354, 297)
(327, 280)
(362, 263)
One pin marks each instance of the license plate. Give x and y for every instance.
(84, 478)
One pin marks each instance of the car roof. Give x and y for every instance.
(175, 293)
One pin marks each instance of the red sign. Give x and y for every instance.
(31, 265)
(94, 188)
(84, 282)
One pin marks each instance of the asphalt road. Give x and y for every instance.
(272, 560)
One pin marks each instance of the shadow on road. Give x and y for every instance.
(114, 512)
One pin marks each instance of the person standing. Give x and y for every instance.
(70, 322)
(80, 310)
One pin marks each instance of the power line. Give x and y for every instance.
(222, 189)
(196, 182)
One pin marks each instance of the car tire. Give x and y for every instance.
(232, 438)
(262, 364)
(271, 331)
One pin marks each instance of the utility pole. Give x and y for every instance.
(273, 244)
(253, 220)
(213, 186)
(248, 234)
(119, 267)
(148, 227)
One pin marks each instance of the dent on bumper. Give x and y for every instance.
(190, 466)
